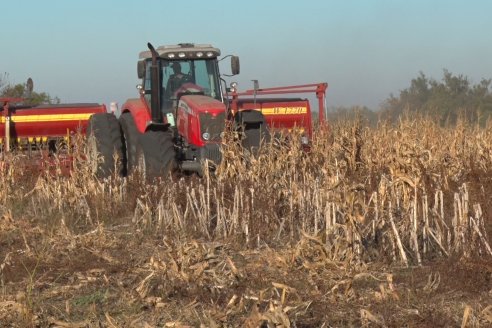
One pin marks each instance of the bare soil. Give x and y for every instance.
(115, 276)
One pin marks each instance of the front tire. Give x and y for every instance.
(104, 140)
(253, 130)
(157, 153)
(254, 136)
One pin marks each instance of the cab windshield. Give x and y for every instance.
(198, 76)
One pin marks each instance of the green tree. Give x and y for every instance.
(21, 90)
(448, 99)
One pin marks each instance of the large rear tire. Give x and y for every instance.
(131, 142)
(104, 141)
(156, 153)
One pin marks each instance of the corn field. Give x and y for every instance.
(378, 227)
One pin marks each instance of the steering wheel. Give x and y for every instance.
(189, 87)
(187, 78)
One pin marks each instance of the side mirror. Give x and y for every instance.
(141, 69)
(235, 65)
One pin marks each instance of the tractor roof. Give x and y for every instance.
(183, 50)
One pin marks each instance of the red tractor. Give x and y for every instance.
(184, 107)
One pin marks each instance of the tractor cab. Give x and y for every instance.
(184, 69)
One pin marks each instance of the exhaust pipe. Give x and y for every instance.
(155, 75)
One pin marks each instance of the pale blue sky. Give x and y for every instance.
(86, 51)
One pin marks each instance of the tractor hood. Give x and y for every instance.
(201, 104)
(200, 119)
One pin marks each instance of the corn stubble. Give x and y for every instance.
(267, 239)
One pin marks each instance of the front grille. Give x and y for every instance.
(214, 125)
(212, 153)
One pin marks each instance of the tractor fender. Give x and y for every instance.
(139, 111)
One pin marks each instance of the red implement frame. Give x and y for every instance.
(42, 159)
(318, 88)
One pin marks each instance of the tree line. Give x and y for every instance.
(24, 91)
(447, 100)
(453, 97)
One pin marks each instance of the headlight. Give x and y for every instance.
(206, 136)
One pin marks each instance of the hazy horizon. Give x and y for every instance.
(365, 50)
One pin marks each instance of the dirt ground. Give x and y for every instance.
(114, 276)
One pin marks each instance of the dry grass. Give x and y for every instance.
(376, 227)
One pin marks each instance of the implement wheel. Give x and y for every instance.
(157, 157)
(254, 136)
(104, 142)
(253, 128)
